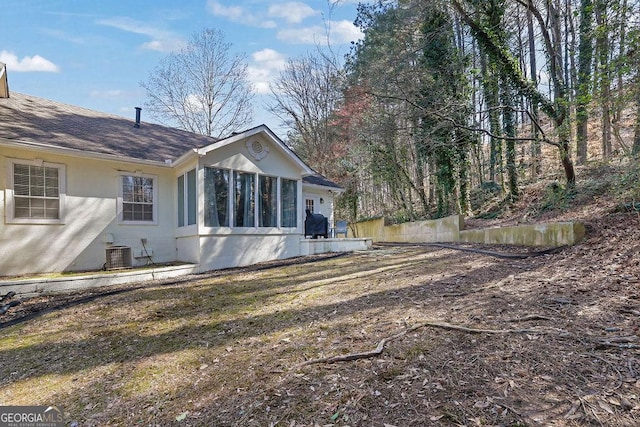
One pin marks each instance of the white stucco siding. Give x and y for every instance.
(239, 250)
(89, 218)
(237, 157)
(323, 201)
(188, 249)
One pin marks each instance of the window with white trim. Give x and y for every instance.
(187, 199)
(309, 205)
(267, 201)
(243, 199)
(138, 199)
(289, 203)
(216, 197)
(36, 192)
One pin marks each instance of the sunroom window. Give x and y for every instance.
(216, 197)
(268, 201)
(244, 202)
(244, 199)
(187, 199)
(289, 203)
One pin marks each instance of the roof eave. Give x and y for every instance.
(80, 153)
(338, 190)
(186, 157)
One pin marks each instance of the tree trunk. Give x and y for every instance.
(619, 102)
(536, 149)
(510, 131)
(636, 128)
(583, 91)
(604, 79)
(555, 109)
(491, 98)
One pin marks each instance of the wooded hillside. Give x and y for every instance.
(444, 103)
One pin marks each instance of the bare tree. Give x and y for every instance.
(203, 88)
(305, 95)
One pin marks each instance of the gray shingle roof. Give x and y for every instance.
(321, 180)
(28, 118)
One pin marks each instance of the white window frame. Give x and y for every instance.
(258, 197)
(120, 209)
(230, 199)
(10, 195)
(185, 202)
(255, 227)
(297, 208)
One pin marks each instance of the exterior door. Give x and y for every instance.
(312, 204)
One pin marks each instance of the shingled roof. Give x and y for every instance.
(321, 181)
(29, 119)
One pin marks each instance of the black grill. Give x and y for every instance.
(316, 225)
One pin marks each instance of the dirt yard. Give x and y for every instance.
(464, 339)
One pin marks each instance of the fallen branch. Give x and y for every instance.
(530, 317)
(4, 308)
(380, 347)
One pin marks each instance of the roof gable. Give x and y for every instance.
(264, 132)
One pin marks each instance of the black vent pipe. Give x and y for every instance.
(138, 110)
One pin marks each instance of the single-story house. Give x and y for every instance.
(82, 190)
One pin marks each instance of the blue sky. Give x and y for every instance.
(95, 53)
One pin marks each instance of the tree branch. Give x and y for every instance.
(380, 347)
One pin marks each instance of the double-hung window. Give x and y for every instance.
(36, 193)
(138, 199)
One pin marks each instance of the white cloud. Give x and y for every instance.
(108, 94)
(27, 63)
(239, 14)
(235, 13)
(162, 40)
(292, 12)
(62, 35)
(339, 32)
(270, 58)
(169, 45)
(266, 66)
(344, 32)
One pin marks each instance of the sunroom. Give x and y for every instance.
(240, 201)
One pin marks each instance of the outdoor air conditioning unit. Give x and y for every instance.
(118, 257)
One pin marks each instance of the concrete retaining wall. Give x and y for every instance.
(320, 246)
(451, 229)
(556, 234)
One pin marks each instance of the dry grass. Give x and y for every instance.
(158, 351)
